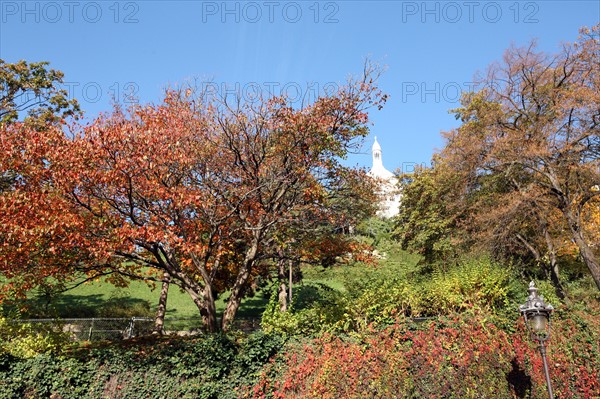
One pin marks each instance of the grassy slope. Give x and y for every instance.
(100, 298)
(393, 258)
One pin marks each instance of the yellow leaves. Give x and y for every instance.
(591, 222)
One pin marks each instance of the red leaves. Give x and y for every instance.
(193, 189)
(462, 358)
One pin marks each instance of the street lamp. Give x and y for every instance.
(537, 319)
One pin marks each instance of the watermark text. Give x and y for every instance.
(270, 12)
(469, 11)
(53, 12)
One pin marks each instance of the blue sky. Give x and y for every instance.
(432, 49)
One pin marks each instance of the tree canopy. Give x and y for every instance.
(524, 165)
(35, 89)
(193, 192)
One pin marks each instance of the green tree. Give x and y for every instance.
(430, 213)
(35, 89)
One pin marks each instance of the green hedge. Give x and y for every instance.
(210, 367)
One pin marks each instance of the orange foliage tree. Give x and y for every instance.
(191, 192)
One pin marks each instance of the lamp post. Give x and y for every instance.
(537, 319)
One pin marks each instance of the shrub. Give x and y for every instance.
(24, 340)
(385, 293)
(46, 375)
(474, 282)
(463, 356)
(448, 360)
(572, 354)
(380, 295)
(315, 308)
(213, 366)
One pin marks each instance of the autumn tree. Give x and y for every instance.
(32, 92)
(188, 192)
(533, 131)
(284, 156)
(39, 230)
(320, 235)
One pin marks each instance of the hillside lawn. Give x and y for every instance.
(103, 299)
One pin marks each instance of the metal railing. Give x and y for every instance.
(111, 329)
(95, 329)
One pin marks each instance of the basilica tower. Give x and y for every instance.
(388, 190)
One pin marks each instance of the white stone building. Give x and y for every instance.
(388, 189)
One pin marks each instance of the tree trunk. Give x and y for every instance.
(239, 287)
(553, 266)
(206, 305)
(211, 324)
(159, 321)
(237, 293)
(235, 299)
(530, 247)
(282, 291)
(210, 316)
(574, 220)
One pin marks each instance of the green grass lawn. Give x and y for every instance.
(102, 299)
(138, 295)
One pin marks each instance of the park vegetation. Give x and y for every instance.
(230, 199)
(192, 192)
(520, 177)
